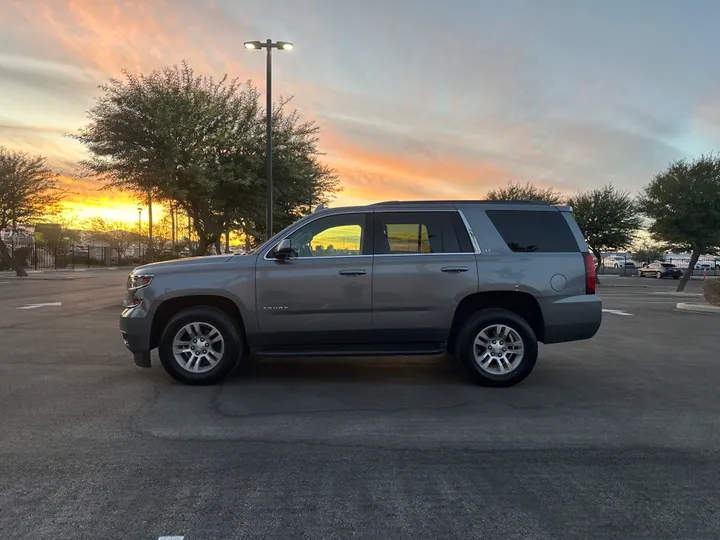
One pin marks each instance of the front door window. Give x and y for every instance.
(341, 235)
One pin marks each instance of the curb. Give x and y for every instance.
(677, 294)
(698, 308)
(36, 277)
(61, 271)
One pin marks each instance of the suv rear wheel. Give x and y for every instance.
(497, 347)
(200, 345)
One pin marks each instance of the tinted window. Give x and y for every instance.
(669, 265)
(399, 233)
(332, 236)
(533, 231)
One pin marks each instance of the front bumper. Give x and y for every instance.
(135, 331)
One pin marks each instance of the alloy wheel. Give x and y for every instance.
(198, 347)
(498, 349)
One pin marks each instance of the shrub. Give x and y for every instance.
(712, 291)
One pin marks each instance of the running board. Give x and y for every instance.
(400, 349)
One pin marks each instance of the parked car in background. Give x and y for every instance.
(618, 260)
(660, 270)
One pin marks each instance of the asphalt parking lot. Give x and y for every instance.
(617, 437)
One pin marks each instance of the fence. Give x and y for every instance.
(63, 255)
(38, 255)
(627, 267)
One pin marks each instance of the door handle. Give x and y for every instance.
(454, 269)
(352, 272)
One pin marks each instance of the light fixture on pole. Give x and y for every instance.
(269, 45)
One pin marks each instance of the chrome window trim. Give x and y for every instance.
(320, 257)
(415, 210)
(473, 240)
(423, 254)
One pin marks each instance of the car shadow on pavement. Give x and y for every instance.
(408, 370)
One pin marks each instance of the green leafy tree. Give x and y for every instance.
(525, 192)
(199, 142)
(607, 217)
(29, 193)
(647, 252)
(684, 202)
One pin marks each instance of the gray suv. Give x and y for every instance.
(484, 281)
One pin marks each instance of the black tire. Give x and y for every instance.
(676, 277)
(658, 275)
(640, 273)
(464, 348)
(229, 330)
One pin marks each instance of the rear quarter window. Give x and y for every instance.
(534, 231)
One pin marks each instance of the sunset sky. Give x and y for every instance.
(416, 98)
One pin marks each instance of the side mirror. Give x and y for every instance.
(285, 250)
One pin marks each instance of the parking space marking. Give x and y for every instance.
(171, 537)
(617, 312)
(46, 304)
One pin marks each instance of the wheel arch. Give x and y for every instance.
(519, 302)
(169, 307)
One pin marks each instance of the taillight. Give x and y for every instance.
(589, 273)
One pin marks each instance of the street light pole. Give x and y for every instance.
(139, 232)
(268, 139)
(269, 45)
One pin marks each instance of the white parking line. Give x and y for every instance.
(617, 312)
(171, 537)
(46, 304)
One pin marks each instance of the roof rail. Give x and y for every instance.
(463, 201)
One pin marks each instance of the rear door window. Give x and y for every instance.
(402, 233)
(534, 231)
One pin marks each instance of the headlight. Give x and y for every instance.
(138, 281)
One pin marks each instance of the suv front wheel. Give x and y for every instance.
(200, 345)
(497, 347)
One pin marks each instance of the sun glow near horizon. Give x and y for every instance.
(124, 210)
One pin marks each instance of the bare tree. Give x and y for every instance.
(28, 193)
(112, 232)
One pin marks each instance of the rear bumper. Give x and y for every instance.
(135, 332)
(571, 318)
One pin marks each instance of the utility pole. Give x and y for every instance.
(150, 227)
(172, 226)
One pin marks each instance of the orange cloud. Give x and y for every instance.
(139, 35)
(368, 176)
